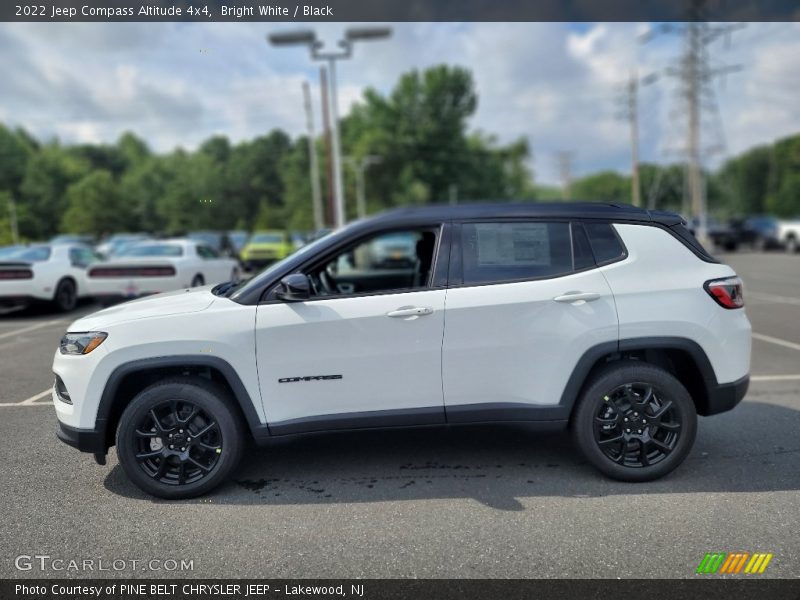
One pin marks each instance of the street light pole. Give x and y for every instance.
(360, 167)
(12, 214)
(316, 194)
(339, 216)
(309, 38)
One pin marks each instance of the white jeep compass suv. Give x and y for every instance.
(604, 318)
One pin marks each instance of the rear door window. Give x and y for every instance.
(495, 252)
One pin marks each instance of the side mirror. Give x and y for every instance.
(294, 288)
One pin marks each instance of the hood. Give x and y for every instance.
(183, 301)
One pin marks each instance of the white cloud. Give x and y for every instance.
(175, 84)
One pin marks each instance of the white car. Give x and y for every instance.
(155, 266)
(607, 319)
(118, 241)
(54, 273)
(789, 235)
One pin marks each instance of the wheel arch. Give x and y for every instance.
(130, 378)
(684, 358)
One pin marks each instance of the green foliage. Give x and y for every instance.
(419, 132)
(608, 186)
(48, 174)
(95, 205)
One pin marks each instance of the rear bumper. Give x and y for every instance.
(85, 440)
(725, 396)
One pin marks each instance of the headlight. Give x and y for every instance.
(81, 343)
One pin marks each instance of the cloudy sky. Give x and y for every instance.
(556, 84)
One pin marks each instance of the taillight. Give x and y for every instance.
(126, 272)
(16, 274)
(727, 292)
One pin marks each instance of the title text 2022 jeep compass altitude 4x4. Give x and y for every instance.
(607, 319)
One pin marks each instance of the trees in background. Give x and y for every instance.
(419, 131)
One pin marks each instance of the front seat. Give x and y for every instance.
(424, 251)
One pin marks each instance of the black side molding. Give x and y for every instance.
(377, 419)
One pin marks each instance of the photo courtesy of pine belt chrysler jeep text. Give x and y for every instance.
(606, 319)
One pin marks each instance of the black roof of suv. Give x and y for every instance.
(573, 210)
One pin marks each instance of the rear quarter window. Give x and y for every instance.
(606, 245)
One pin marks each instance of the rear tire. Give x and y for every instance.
(66, 296)
(179, 438)
(635, 422)
(198, 281)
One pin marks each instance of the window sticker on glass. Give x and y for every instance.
(513, 244)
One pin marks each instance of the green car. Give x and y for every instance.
(264, 248)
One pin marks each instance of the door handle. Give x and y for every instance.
(577, 296)
(413, 311)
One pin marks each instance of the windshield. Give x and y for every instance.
(267, 238)
(212, 239)
(151, 250)
(35, 254)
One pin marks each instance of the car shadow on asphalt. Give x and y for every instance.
(37, 310)
(498, 465)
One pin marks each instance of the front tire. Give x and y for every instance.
(179, 438)
(635, 422)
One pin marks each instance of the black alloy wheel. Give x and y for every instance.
(635, 427)
(180, 437)
(178, 443)
(634, 421)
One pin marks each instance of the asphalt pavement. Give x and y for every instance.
(466, 502)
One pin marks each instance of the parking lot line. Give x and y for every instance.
(31, 328)
(31, 401)
(776, 341)
(757, 378)
(773, 298)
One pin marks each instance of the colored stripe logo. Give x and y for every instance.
(734, 563)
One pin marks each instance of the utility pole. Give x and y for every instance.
(12, 217)
(453, 193)
(632, 114)
(565, 168)
(696, 76)
(326, 124)
(691, 76)
(316, 195)
(360, 167)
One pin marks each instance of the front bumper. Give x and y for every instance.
(85, 440)
(725, 396)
